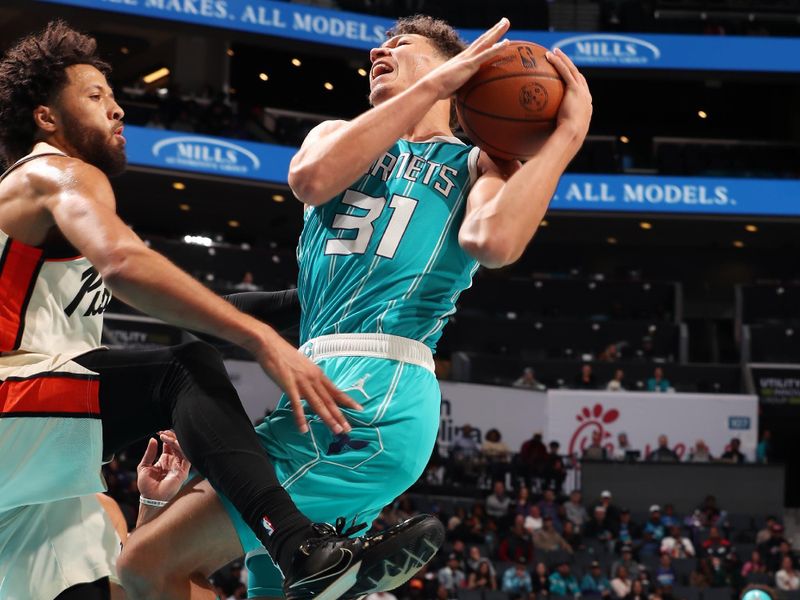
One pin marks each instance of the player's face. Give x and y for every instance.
(91, 120)
(399, 63)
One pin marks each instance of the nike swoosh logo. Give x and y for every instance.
(344, 562)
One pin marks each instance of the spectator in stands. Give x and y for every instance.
(785, 549)
(595, 450)
(610, 354)
(709, 511)
(663, 453)
(754, 566)
(517, 543)
(617, 383)
(517, 581)
(631, 566)
(522, 503)
(595, 583)
(764, 448)
(654, 526)
(563, 582)
(496, 455)
(554, 470)
(451, 577)
(247, 284)
(627, 530)
(460, 552)
(465, 444)
(700, 453)
(599, 528)
(541, 581)
(550, 507)
(676, 544)
(534, 521)
(494, 449)
(585, 380)
(571, 535)
(547, 539)
(498, 504)
(787, 578)
(700, 577)
(612, 511)
(575, 511)
(658, 383)
(716, 544)
(483, 578)
(733, 455)
(532, 458)
(720, 576)
(474, 560)
(664, 573)
(622, 582)
(528, 381)
(638, 592)
(766, 532)
(624, 451)
(453, 523)
(668, 516)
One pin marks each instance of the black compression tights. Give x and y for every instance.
(186, 388)
(97, 590)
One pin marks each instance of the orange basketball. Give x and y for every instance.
(511, 102)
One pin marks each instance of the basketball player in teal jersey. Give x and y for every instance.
(399, 214)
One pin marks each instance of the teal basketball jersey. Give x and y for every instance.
(383, 256)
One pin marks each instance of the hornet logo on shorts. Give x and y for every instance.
(605, 49)
(342, 442)
(206, 154)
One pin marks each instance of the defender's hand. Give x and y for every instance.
(300, 378)
(161, 480)
(575, 112)
(450, 76)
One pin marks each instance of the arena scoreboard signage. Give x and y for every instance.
(179, 151)
(359, 31)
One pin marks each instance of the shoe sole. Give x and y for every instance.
(347, 580)
(408, 552)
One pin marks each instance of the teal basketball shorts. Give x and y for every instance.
(351, 475)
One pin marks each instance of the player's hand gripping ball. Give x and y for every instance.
(511, 103)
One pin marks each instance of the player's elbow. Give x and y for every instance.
(492, 252)
(118, 262)
(307, 183)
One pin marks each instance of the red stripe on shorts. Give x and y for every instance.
(51, 394)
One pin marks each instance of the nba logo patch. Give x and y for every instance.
(267, 525)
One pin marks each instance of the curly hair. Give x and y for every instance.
(439, 32)
(33, 73)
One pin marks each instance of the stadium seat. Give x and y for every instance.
(470, 595)
(718, 593)
(682, 592)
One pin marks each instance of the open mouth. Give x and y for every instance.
(380, 68)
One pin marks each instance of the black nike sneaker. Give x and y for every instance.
(331, 565)
(396, 554)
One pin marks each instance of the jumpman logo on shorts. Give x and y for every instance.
(343, 441)
(359, 386)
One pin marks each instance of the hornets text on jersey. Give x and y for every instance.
(383, 256)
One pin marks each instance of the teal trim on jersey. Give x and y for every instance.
(383, 256)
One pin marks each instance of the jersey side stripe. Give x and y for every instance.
(17, 280)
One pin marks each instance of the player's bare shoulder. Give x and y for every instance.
(57, 179)
(496, 167)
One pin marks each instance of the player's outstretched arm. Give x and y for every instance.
(337, 153)
(507, 202)
(81, 201)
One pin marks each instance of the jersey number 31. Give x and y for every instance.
(402, 208)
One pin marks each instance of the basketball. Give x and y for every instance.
(511, 103)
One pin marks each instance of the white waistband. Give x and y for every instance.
(375, 345)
